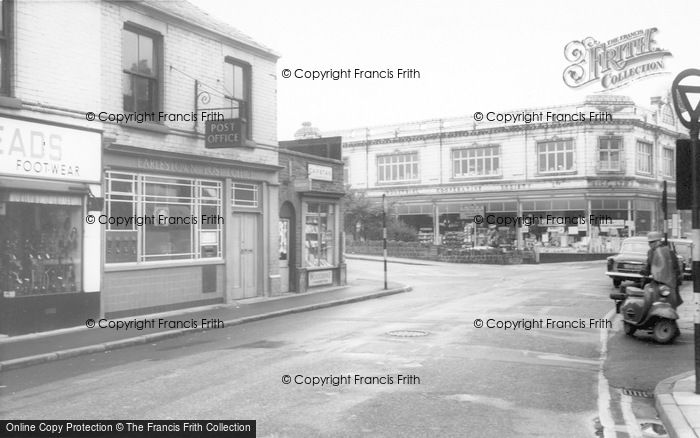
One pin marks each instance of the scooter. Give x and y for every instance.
(648, 309)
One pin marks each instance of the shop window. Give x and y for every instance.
(140, 70)
(481, 161)
(211, 221)
(284, 239)
(555, 156)
(397, 168)
(319, 235)
(609, 154)
(5, 44)
(669, 163)
(151, 218)
(245, 195)
(237, 84)
(667, 115)
(41, 245)
(644, 158)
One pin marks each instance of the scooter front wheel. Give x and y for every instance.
(629, 329)
(665, 330)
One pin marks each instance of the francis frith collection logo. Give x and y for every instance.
(616, 62)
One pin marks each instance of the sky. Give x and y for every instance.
(472, 56)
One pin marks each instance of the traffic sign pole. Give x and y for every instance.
(681, 102)
(696, 249)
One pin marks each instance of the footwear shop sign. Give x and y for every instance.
(226, 133)
(38, 150)
(616, 62)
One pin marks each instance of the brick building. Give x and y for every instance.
(119, 104)
(311, 214)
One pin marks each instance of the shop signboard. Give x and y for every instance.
(226, 133)
(320, 278)
(38, 150)
(321, 173)
(468, 211)
(614, 224)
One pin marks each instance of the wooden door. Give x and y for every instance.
(246, 263)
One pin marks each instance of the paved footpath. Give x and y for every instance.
(676, 402)
(27, 350)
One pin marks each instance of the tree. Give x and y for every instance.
(363, 219)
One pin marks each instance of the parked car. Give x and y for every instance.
(627, 265)
(684, 251)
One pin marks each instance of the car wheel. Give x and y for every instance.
(665, 330)
(629, 329)
(617, 282)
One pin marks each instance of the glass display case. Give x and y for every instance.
(319, 232)
(41, 248)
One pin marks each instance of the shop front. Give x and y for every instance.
(310, 223)
(200, 233)
(320, 252)
(568, 223)
(50, 258)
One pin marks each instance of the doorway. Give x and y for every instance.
(284, 255)
(287, 247)
(246, 263)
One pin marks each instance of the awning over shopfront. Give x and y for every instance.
(32, 191)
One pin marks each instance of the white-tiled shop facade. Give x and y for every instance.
(63, 156)
(440, 174)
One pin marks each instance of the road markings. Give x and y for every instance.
(604, 412)
(633, 429)
(566, 359)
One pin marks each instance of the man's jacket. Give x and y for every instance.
(663, 265)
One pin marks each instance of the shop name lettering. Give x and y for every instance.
(614, 63)
(518, 186)
(34, 154)
(460, 189)
(174, 166)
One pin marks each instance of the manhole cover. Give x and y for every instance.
(408, 333)
(637, 393)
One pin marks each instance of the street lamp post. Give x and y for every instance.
(384, 236)
(681, 92)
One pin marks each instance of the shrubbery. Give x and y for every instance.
(368, 213)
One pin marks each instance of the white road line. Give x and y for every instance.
(633, 429)
(566, 359)
(604, 413)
